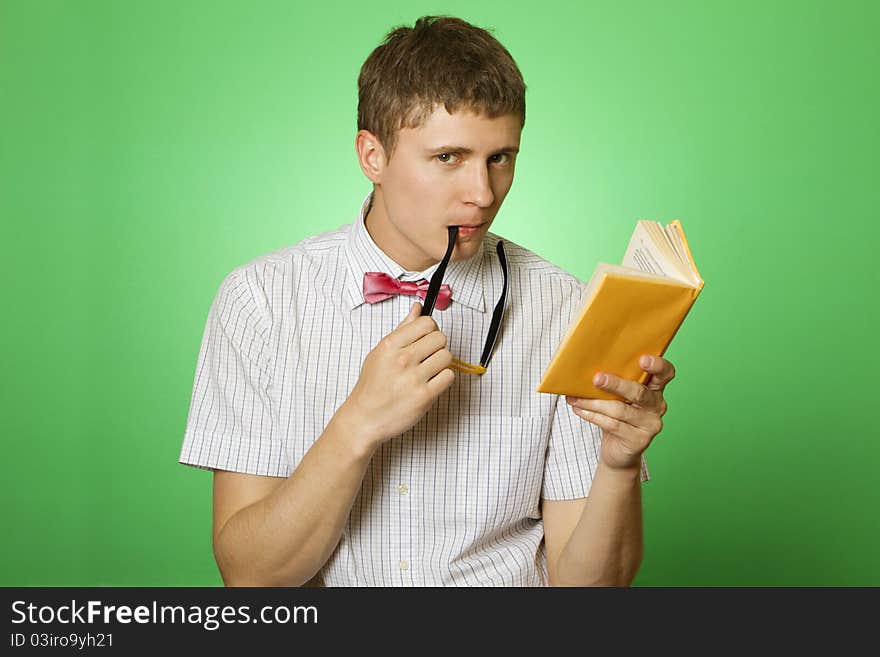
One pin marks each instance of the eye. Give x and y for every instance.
(500, 158)
(446, 158)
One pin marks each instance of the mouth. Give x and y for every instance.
(470, 229)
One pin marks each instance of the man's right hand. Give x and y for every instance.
(401, 377)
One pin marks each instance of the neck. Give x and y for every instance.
(395, 245)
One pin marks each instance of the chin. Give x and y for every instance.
(467, 248)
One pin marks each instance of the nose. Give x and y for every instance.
(479, 187)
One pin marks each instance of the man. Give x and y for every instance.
(349, 445)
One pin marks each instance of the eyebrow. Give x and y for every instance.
(469, 151)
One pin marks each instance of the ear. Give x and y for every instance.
(371, 155)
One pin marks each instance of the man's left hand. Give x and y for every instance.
(628, 427)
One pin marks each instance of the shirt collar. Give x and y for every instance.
(464, 277)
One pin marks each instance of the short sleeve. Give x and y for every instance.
(231, 423)
(574, 443)
(573, 455)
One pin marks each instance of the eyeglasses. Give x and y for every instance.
(434, 289)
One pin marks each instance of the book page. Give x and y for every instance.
(661, 239)
(677, 235)
(645, 255)
(675, 243)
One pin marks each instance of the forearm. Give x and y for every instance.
(285, 538)
(605, 548)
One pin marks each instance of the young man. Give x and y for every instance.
(348, 446)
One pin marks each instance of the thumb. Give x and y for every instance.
(414, 313)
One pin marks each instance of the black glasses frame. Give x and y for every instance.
(497, 314)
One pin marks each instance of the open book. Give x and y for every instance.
(626, 310)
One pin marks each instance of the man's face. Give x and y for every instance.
(455, 169)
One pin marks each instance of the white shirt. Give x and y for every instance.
(455, 500)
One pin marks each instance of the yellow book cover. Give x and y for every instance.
(625, 311)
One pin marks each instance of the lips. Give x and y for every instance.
(468, 232)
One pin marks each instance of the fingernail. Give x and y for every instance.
(647, 361)
(600, 379)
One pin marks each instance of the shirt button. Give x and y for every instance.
(404, 565)
(403, 489)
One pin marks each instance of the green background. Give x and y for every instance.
(146, 149)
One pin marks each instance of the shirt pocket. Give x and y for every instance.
(499, 466)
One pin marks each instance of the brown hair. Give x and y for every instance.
(441, 60)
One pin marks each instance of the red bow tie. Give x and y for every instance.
(379, 286)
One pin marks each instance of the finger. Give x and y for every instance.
(612, 408)
(405, 334)
(441, 382)
(426, 346)
(433, 364)
(632, 391)
(611, 425)
(414, 311)
(662, 371)
(640, 418)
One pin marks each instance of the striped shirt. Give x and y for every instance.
(453, 501)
